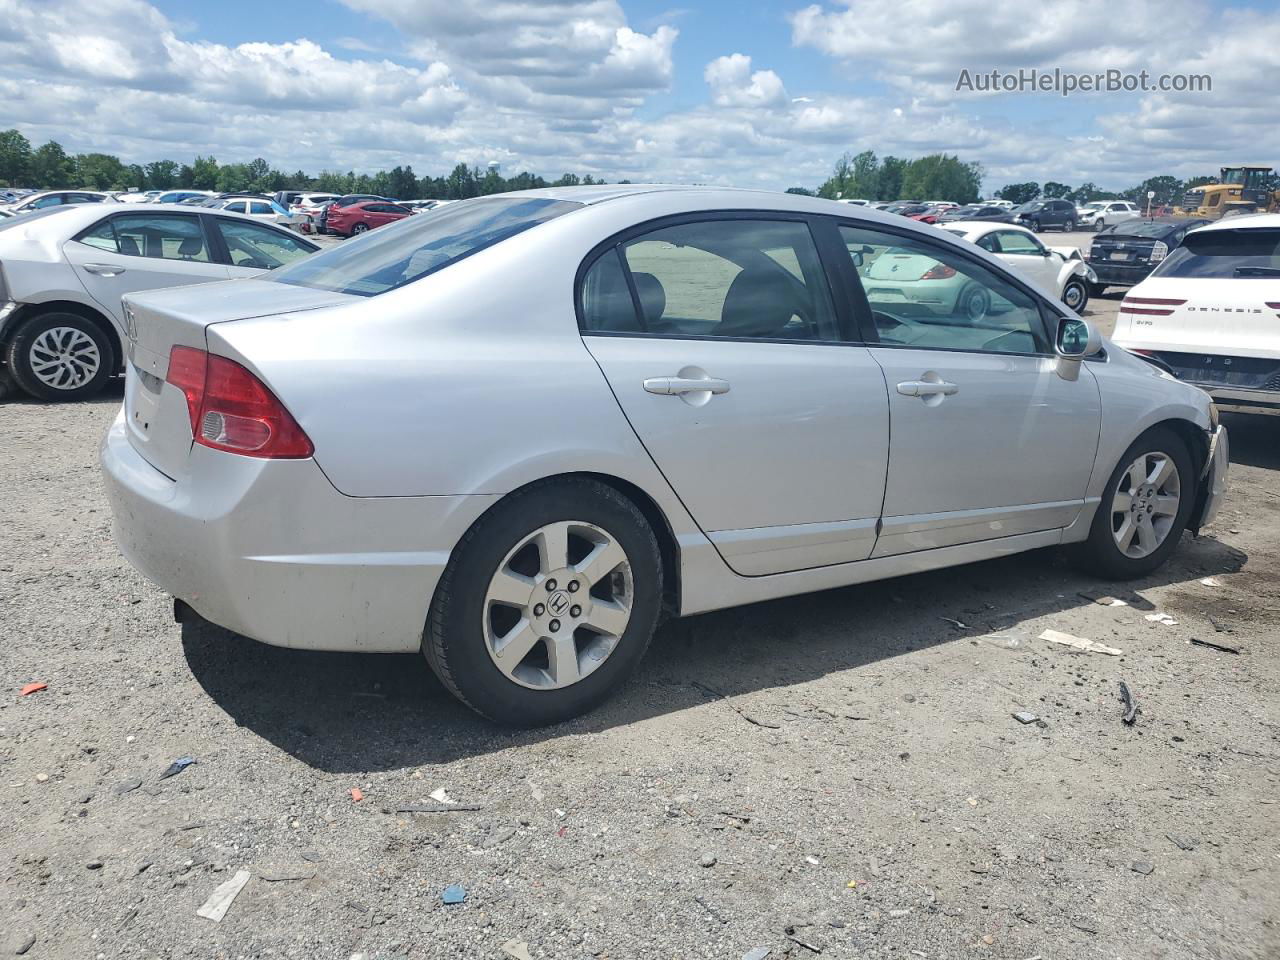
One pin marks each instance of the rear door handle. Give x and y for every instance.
(677, 386)
(103, 269)
(927, 388)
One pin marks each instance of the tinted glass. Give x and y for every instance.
(922, 294)
(160, 236)
(1225, 254)
(50, 201)
(1011, 241)
(752, 279)
(259, 207)
(1142, 228)
(413, 247)
(258, 247)
(606, 300)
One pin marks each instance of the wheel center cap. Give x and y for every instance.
(558, 603)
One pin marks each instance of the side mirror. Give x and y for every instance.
(1074, 340)
(856, 257)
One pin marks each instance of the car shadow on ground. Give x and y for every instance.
(1255, 439)
(341, 712)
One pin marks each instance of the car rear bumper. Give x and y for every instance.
(1119, 274)
(1242, 401)
(269, 549)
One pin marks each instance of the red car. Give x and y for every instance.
(365, 215)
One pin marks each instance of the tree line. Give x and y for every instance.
(867, 177)
(50, 167)
(1168, 191)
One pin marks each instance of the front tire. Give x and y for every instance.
(1069, 227)
(1035, 226)
(1144, 509)
(60, 357)
(548, 603)
(359, 228)
(1075, 294)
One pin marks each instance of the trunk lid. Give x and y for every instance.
(159, 424)
(1232, 318)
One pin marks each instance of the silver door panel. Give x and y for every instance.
(763, 550)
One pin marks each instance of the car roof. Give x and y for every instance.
(1259, 221)
(982, 226)
(76, 217)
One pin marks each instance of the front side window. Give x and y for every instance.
(1011, 241)
(413, 247)
(923, 294)
(52, 200)
(257, 247)
(235, 206)
(741, 279)
(160, 236)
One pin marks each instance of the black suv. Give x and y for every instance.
(1042, 214)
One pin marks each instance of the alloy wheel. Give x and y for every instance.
(64, 358)
(558, 605)
(1144, 506)
(1073, 296)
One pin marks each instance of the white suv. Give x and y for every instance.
(1104, 213)
(1211, 313)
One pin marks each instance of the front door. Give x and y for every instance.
(720, 342)
(125, 253)
(1028, 256)
(987, 440)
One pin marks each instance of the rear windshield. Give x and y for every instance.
(1225, 254)
(1145, 229)
(411, 248)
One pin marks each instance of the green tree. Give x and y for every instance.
(526, 181)
(1055, 190)
(51, 167)
(492, 182)
(162, 174)
(135, 177)
(941, 177)
(800, 191)
(402, 184)
(204, 173)
(299, 180)
(1167, 190)
(259, 173)
(186, 177)
(15, 158)
(461, 183)
(889, 180)
(101, 171)
(840, 180)
(1017, 193)
(233, 178)
(568, 180)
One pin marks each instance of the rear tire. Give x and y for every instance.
(1137, 510)
(359, 228)
(1069, 227)
(480, 607)
(60, 357)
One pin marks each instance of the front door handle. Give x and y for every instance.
(677, 386)
(103, 269)
(927, 388)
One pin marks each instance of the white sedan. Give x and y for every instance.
(518, 432)
(1061, 270)
(1100, 214)
(64, 270)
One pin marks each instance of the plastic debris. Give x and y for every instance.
(1211, 581)
(852, 885)
(1222, 647)
(453, 893)
(955, 623)
(517, 949)
(219, 902)
(1130, 704)
(177, 767)
(1079, 643)
(759, 953)
(356, 794)
(440, 796)
(1022, 716)
(1161, 618)
(31, 688)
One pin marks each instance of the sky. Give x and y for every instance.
(758, 95)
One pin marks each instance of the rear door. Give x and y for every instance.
(124, 253)
(987, 440)
(719, 338)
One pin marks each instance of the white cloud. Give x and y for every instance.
(734, 85)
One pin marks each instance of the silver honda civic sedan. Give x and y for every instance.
(516, 433)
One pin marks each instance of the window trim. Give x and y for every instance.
(615, 241)
(862, 306)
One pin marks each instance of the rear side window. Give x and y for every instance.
(258, 208)
(739, 279)
(1225, 254)
(413, 247)
(160, 236)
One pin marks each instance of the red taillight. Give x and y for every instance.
(1127, 305)
(939, 271)
(230, 409)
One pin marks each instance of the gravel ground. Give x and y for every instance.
(839, 772)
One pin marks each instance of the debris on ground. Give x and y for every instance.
(755, 721)
(219, 902)
(31, 688)
(708, 860)
(439, 795)
(1103, 599)
(517, 949)
(127, 786)
(356, 794)
(792, 933)
(1079, 643)
(955, 623)
(453, 893)
(1142, 867)
(1022, 716)
(1211, 581)
(177, 767)
(1182, 843)
(439, 808)
(1130, 704)
(20, 943)
(759, 953)
(1215, 646)
(1164, 618)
